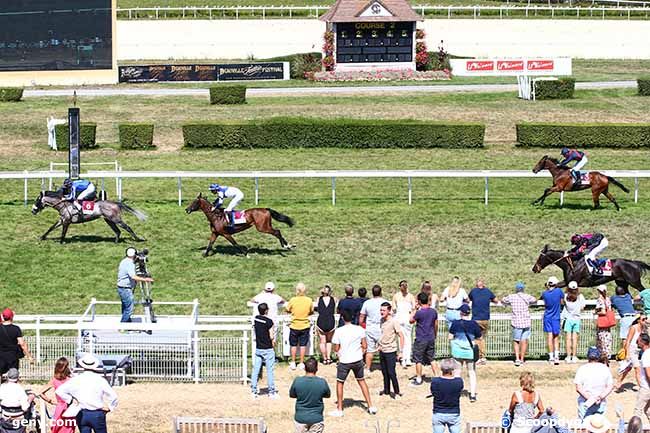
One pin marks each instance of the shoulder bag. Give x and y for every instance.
(607, 320)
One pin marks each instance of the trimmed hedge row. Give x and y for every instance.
(301, 63)
(136, 135)
(562, 88)
(584, 135)
(284, 132)
(643, 84)
(228, 94)
(87, 134)
(11, 94)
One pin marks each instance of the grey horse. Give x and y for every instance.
(68, 214)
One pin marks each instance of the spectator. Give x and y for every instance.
(520, 321)
(574, 303)
(371, 317)
(525, 405)
(126, 280)
(552, 298)
(91, 390)
(603, 334)
(12, 344)
(428, 289)
(623, 303)
(403, 305)
(463, 335)
(62, 374)
(389, 349)
(632, 352)
(300, 307)
(481, 298)
(455, 296)
(549, 422)
(264, 352)
(446, 391)
(349, 303)
(14, 401)
(350, 345)
(634, 425)
(644, 296)
(325, 324)
(363, 297)
(309, 392)
(272, 300)
(593, 384)
(643, 397)
(426, 330)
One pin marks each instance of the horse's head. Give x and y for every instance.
(546, 257)
(38, 204)
(541, 165)
(195, 205)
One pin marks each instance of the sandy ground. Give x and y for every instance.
(149, 407)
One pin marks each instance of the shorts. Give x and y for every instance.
(319, 427)
(625, 323)
(423, 352)
(342, 370)
(299, 337)
(572, 325)
(373, 335)
(519, 334)
(552, 325)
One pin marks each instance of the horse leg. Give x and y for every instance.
(267, 227)
(622, 283)
(232, 241)
(612, 199)
(64, 230)
(547, 192)
(129, 230)
(113, 227)
(213, 237)
(55, 225)
(595, 197)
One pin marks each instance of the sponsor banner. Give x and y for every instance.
(225, 72)
(506, 67)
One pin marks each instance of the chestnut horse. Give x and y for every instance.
(563, 181)
(258, 217)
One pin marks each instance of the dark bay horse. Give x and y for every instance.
(258, 217)
(624, 272)
(563, 181)
(68, 214)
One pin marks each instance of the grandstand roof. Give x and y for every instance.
(346, 11)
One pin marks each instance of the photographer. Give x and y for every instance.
(126, 279)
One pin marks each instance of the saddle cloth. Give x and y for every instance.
(584, 177)
(240, 217)
(88, 207)
(606, 269)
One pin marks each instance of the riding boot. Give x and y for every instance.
(576, 177)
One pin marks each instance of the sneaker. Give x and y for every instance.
(336, 413)
(482, 361)
(301, 366)
(517, 363)
(398, 396)
(575, 359)
(568, 360)
(292, 365)
(416, 382)
(372, 410)
(274, 396)
(382, 393)
(472, 398)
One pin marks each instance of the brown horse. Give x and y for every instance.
(258, 217)
(563, 181)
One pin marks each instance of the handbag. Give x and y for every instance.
(607, 320)
(621, 354)
(72, 410)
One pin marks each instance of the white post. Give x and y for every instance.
(257, 191)
(25, 187)
(180, 191)
(333, 191)
(561, 198)
(119, 186)
(486, 190)
(197, 366)
(103, 190)
(38, 340)
(51, 169)
(410, 191)
(636, 190)
(42, 184)
(117, 168)
(244, 356)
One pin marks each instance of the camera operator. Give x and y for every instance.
(126, 280)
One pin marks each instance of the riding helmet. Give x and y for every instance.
(214, 187)
(564, 150)
(575, 239)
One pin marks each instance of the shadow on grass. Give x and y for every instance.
(230, 250)
(575, 206)
(86, 239)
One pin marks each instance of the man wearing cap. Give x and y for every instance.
(593, 384)
(13, 400)
(552, 298)
(126, 279)
(272, 300)
(11, 340)
(93, 393)
(520, 321)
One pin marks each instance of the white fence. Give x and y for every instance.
(333, 175)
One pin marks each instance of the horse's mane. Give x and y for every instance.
(553, 160)
(54, 194)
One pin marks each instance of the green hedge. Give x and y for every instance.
(136, 135)
(228, 94)
(583, 135)
(562, 88)
(300, 64)
(11, 94)
(283, 132)
(87, 136)
(644, 86)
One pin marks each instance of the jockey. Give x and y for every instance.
(78, 190)
(589, 245)
(573, 155)
(234, 194)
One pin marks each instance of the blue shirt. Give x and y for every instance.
(552, 303)
(623, 304)
(460, 327)
(446, 394)
(425, 319)
(353, 306)
(125, 273)
(481, 299)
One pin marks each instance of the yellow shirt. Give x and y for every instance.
(300, 308)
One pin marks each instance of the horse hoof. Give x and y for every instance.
(289, 247)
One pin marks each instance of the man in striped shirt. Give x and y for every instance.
(520, 301)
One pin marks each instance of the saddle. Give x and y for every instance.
(600, 267)
(581, 178)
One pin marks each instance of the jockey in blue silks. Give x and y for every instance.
(573, 155)
(78, 190)
(234, 194)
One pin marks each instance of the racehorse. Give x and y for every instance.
(68, 214)
(563, 181)
(624, 272)
(258, 217)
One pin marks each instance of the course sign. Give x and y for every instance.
(508, 67)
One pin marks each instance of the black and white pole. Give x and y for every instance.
(74, 160)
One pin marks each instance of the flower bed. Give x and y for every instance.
(379, 75)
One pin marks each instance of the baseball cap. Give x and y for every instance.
(269, 286)
(602, 288)
(130, 252)
(13, 375)
(552, 281)
(464, 309)
(593, 353)
(7, 314)
(573, 285)
(519, 286)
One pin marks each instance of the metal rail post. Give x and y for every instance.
(180, 191)
(38, 340)
(197, 365)
(486, 190)
(561, 198)
(25, 187)
(244, 357)
(333, 191)
(636, 190)
(410, 191)
(257, 191)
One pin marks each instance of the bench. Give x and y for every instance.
(183, 424)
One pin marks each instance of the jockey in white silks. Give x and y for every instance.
(223, 192)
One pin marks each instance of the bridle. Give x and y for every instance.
(565, 256)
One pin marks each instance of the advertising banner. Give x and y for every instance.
(511, 67)
(217, 72)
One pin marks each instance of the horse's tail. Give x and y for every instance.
(139, 214)
(280, 217)
(617, 183)
(644, 266)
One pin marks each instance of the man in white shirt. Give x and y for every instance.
(94, 394)
(593, 384)
(271, 299)
(350, 344)
(643, 397)
(13, 398)
(371, 316)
